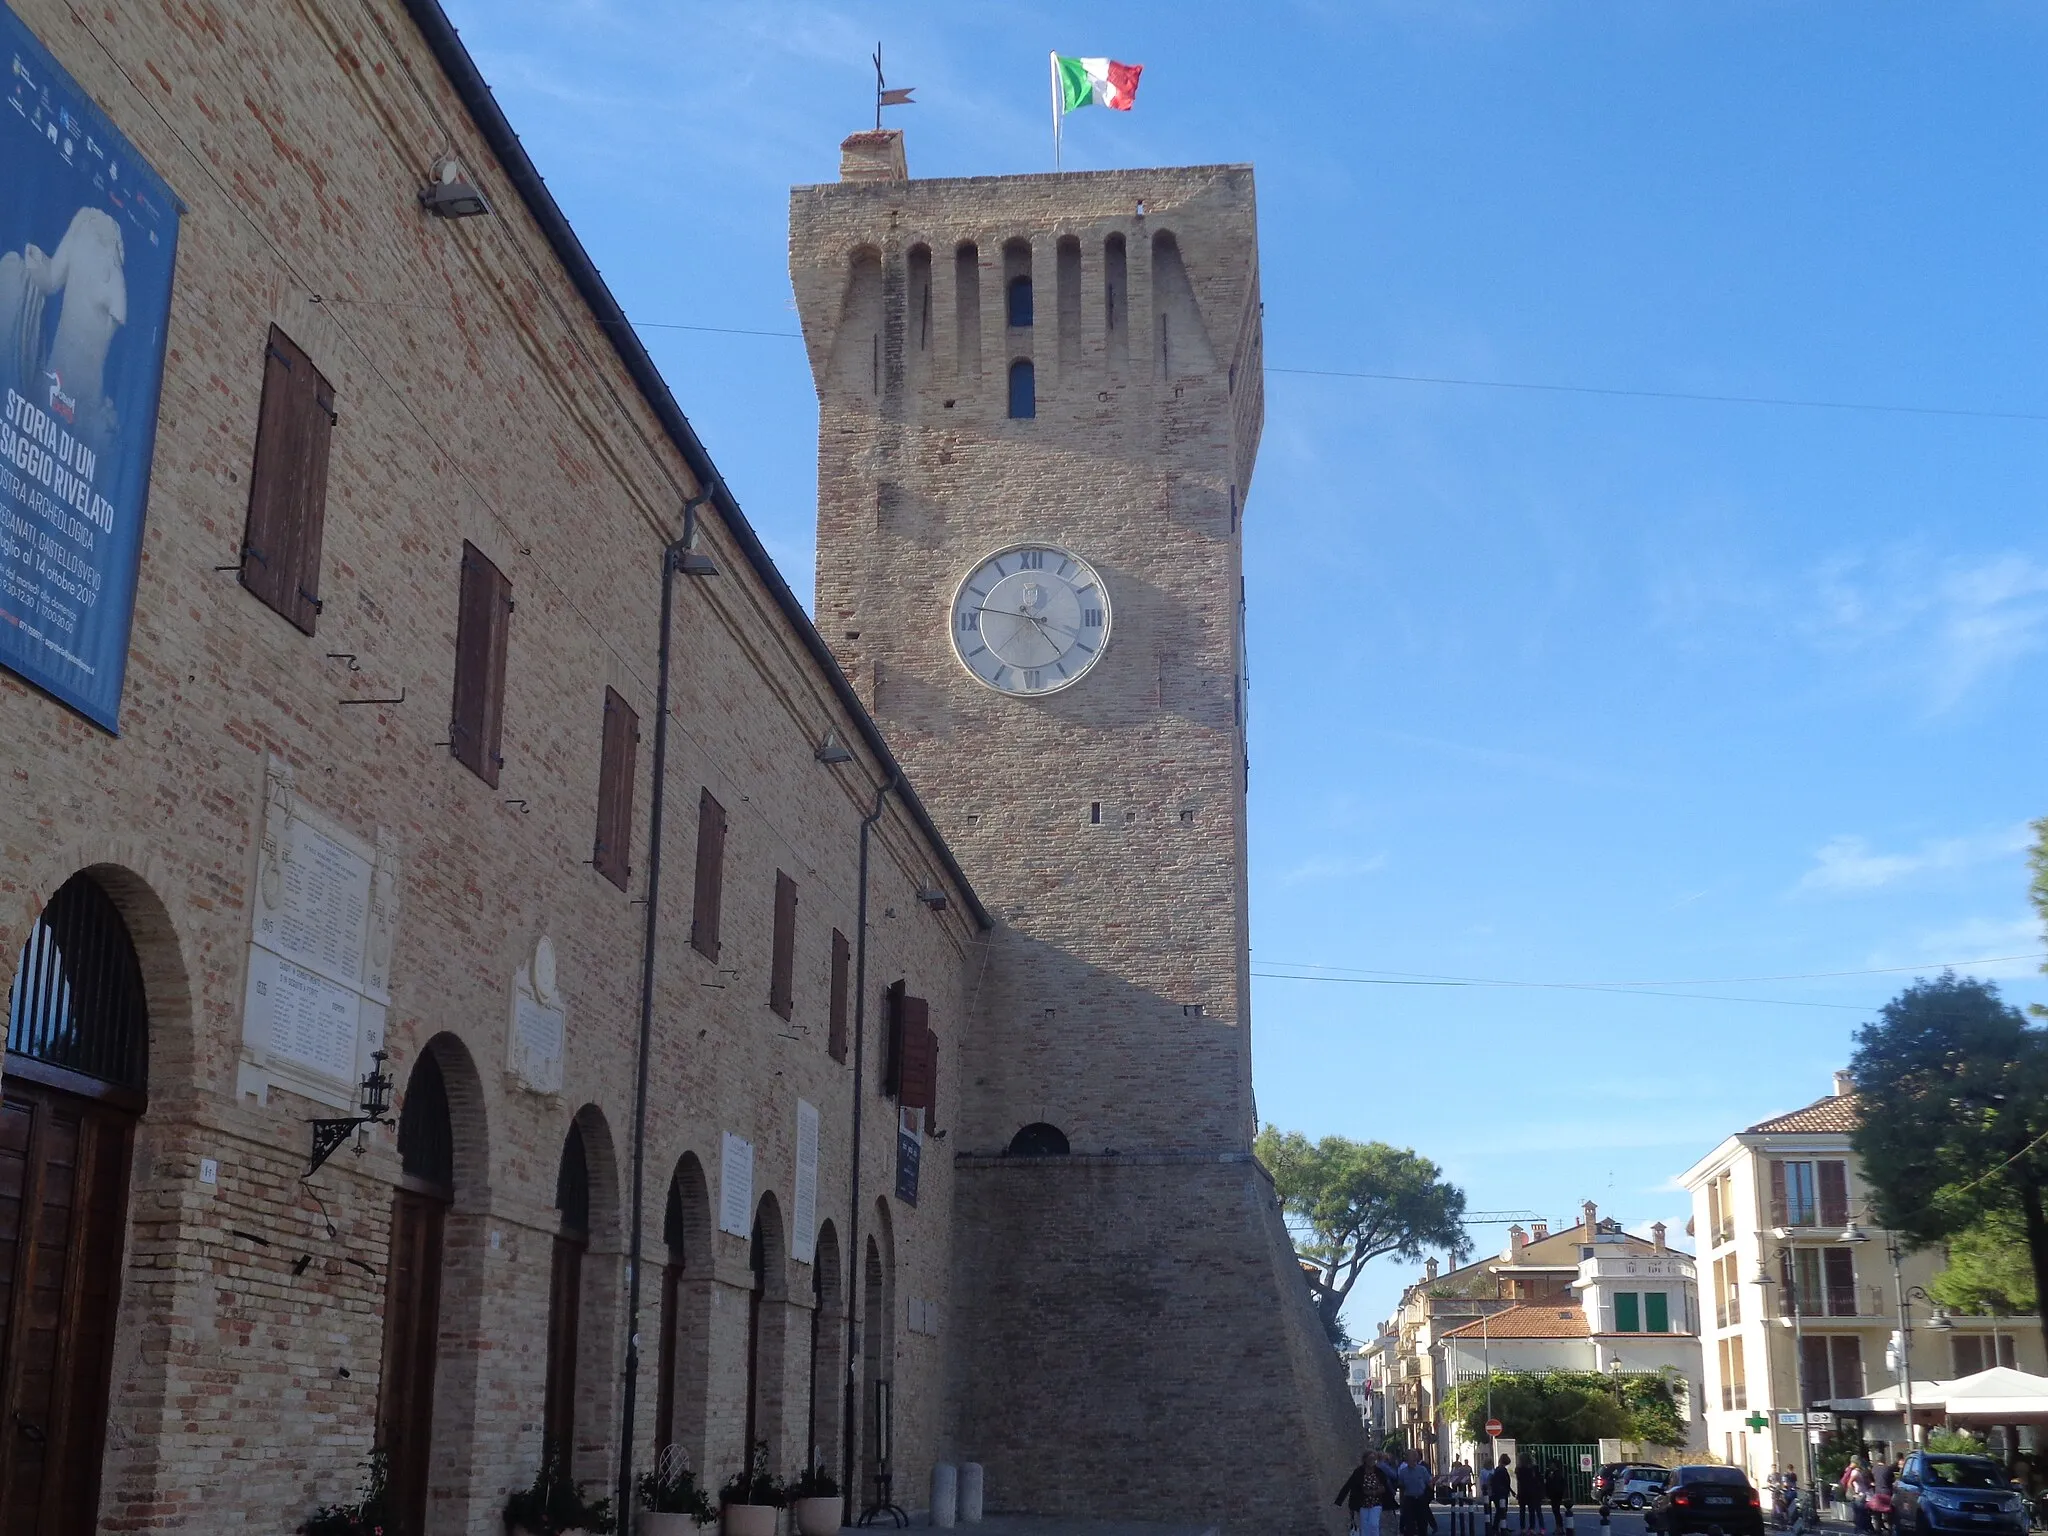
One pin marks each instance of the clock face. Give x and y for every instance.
(1030, 619)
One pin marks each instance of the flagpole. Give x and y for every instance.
(1053, 60)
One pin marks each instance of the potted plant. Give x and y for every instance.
(670, 1499)
(366, 1517)
(555, 1504)
(814, 1499)
(751, 1496)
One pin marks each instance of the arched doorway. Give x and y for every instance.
(878, 1350)
(767, 1329)
(686, 1282)
(828, 1337)
(75, 1083)
(412, 1292)
(565, 1298)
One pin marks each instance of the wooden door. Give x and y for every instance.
(63, 1211)
(565, 1314)
(412, 1327)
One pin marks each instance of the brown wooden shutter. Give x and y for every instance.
(1813, 1361)
(288, 484)
(1834, 1194)
(1845, 1354)
(565, 1315)
(477, 730)
(782, 964)
(835, 1041)
(1838, 1276)
(615, 790)
(917, 1049)
(710, 876)
(892, 1040)
(1778, 1193)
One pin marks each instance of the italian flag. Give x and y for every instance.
(1096, 83)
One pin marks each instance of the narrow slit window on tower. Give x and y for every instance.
(967, 308)
(1020, 303)
(1023, 389)
(921, 297)
(1095, 813)
(1116, 316)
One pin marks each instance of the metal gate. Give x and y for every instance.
(1578, 1461)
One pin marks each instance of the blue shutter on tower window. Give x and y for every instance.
(1627, 1312)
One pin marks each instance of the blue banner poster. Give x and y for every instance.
(88, 239)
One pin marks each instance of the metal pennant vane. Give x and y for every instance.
(887, 95)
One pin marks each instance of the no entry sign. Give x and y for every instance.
(1493, 1428)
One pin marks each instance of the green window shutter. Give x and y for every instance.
(1656, 1312)
(1627, 1312)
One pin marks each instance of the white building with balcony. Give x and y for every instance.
(1771, 1205)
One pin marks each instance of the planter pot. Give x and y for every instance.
(749, 1519)
(817, 1517)
(657, 1523)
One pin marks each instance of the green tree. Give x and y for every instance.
(1952, 1086)
(1989, 1268)
(1571, 1408)
(1350, 1202)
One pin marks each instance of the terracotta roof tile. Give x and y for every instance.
(1835, 1113)
(1544, 1322)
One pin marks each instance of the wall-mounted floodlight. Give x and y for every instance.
(451, 195)
(932, 897)
(831, 751)
(690, 563)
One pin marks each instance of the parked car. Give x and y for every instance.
(1956, 1493)
(1640, 1486)
(1707, 1499)
(1608, 1482)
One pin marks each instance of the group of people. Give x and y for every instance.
(1407, 1487)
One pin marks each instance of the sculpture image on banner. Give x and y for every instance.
(88, 240)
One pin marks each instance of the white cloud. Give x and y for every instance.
(1332, 867)
(1848, 865)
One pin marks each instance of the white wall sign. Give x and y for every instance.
(320, 940)
(803, 1245)
(534, 1042)
(736, 1187)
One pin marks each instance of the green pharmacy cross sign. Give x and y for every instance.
(1757, 1423)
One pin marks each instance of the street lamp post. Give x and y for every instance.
(1765, 1280)
(1937, 1320)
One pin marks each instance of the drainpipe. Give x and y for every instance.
(854, 1266)
(672, 561)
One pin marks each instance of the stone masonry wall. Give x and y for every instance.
(477, 399)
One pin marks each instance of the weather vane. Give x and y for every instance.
(884, 96)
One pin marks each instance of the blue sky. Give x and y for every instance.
(1548, 687)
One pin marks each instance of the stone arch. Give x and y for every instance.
(583, 1299)
(767, 1330)
(1039, 1139)
(828, 1350)
(1023, 402)
(878, 1346)
(967, 310)
(917, 329)
(1017, 306)
(454, 1493)
(857, 361)
(688, 1278)
(1182, 346)
(1116, 302)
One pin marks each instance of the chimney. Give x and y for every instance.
(1517, 1241)
(1592, 1215)
(1844, 1084)
(1542, 1230)
(1429, 1270)
(873, 155)
(1657, 1234)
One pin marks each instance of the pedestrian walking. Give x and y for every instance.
(1558, 1489)
(1500, 1484)
(1362, 1494)
(1529, 1493)
(1413, 1478)
(1461, 1482)
(1856, 1490)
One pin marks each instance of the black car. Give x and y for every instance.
(1707, 1499)
(1956, 1493)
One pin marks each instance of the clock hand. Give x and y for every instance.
(1011, 613)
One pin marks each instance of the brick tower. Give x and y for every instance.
(1040, 399)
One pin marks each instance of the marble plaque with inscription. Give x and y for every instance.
(533, 1052)
(803, 1242)
(736, 1187)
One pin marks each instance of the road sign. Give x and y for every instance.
(1585, 1462)
(1493, 1427)
(1821, 1420)
(1791, 1418)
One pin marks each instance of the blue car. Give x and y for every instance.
(1956, 1493)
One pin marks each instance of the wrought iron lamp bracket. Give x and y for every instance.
(329, 1135)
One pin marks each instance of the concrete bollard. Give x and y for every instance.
(970, 1492)
(945, 1494)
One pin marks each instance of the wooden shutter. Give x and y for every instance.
(1813, 1360)
(915, 1081)
(782, 961)
(710, 876)
(476, 731)
(1838, 1274)
(288, 484)
(1628, 1317)
(1778, 1193)
(1969, 1354)
(1834, 1194)
(412, 1329)
(565, 1315)
(615, 790)
(1656, 1312)
(1845, 1354)
(835, 1041)
(892, 1040)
